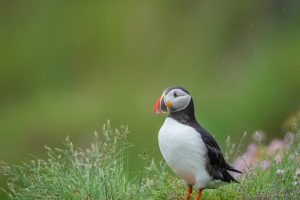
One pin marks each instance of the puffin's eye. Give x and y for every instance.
(175, 94)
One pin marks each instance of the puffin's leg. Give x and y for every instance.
(198, 197)
(189, 192)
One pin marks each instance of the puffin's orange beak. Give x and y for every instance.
(160, 106)
(157, 105)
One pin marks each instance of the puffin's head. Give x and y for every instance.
(172, 100)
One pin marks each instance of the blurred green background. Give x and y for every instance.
(68, 66)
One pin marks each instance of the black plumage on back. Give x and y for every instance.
(216, 165)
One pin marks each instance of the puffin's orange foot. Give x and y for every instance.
(189, 193)
(198, 197)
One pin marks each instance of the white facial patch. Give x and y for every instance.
(178, 98)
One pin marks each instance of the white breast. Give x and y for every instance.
(184, 151)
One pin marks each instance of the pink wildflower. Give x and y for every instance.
(275, 146)
(265, 164)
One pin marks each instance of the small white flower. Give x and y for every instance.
(296, 183)
(280, 171)
(259, 136)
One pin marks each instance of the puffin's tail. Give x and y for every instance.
(230, 168)
(228, 177)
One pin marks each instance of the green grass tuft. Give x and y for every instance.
(100, 172)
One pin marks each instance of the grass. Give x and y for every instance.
(100, 172)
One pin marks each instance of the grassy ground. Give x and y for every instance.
(100, 172)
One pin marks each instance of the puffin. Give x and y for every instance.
(189, 149)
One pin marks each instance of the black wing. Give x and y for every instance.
(216, 166)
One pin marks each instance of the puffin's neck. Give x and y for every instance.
(185, 116)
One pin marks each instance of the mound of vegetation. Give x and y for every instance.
(100, 172)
